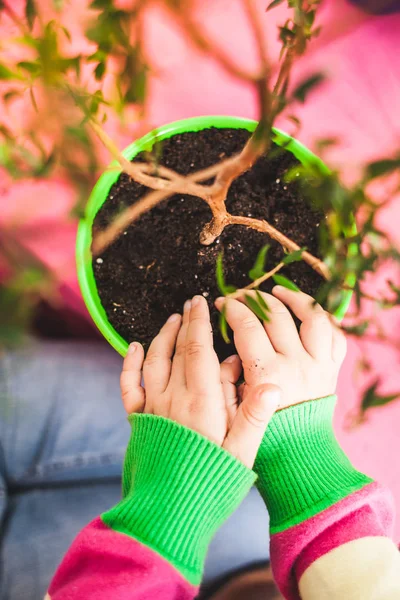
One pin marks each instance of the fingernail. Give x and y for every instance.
(173, 318)
(219, 301)
(278, 288)
(132, 348)
(187, 306)
(232, 359)
(196, 300)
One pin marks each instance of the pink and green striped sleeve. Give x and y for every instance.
(178, 488)
(330, 524)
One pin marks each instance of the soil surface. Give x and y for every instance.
(148, 273)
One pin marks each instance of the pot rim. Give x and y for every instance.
(99, 195)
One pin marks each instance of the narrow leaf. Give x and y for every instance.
(256, 308)
(8, 96)
(66, 32)
(273, 4)
(358, 329)
(258, 269)
(382, 167)
(7, 74)
(222, 286)
(371, 398)
(295, 256)
(99, 71)
(286, 35)
(285, 282)
(30, 12)
(327, 142)
(307, 85)
(294, 120)
(33, 99)
(223, 325)
(262, 302)
(31, 67)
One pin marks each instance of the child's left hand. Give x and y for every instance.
(185, 382)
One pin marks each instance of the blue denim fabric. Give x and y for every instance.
(63, 434)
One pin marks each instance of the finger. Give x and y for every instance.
(281, 328)
(253, 415)
(339, 343)
(133, 395)
(316, 328)
(201, 362)
(252, 343)
(229, 374)
(157, 366)
(178, 376)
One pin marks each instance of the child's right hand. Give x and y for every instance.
(305, 366)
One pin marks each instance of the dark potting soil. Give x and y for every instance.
(158, 262)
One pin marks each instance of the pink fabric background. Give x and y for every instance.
(359, 104)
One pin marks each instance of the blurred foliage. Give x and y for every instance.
(63, 91)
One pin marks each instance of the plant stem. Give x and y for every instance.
(257, 282)
(225, 172)
(314, 262)
(169, 180)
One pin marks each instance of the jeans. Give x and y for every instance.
(63, 434)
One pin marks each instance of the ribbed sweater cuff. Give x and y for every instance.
(300, 466)
(178, 488)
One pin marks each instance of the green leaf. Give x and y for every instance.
(307, 85)
(294, 120)
(328, 142)
(285, 282)
(8, 96)
(222, 286)
(258, 269)
(295, 256)
(100, 70)
(58, 4)
(262, 301)
(382, 167)
(32, 67)
(6, 133)
(310, 18)
(358, 329)
(30, 12)
(44, 169)
(274, 3)
(223, 325)
(256, 308)
(371, 398)
(33, 99)
(6, 74)
(393, 287)
(286, 35)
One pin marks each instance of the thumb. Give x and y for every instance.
(252, 417)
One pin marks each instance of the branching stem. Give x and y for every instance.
(165, 182)
(255, 284)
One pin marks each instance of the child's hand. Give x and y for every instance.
(185, 382)
(304, 366)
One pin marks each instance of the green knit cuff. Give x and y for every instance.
(301, 468)
(178, 488)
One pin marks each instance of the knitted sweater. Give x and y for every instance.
(330, 524)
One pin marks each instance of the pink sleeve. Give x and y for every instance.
(178, 488)
(103, 564)
(368, 513)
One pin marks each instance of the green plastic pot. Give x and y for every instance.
(100, 192)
